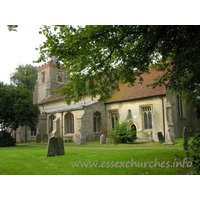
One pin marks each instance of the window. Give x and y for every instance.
(180, 109)
(114, 117)
(69, 123)
(147, 117)
(43, 77)
(33, 132)
(97, 121)
(51, 118)
(59, 77)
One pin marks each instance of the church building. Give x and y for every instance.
(149, 110)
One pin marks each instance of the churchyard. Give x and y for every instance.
(90, 159)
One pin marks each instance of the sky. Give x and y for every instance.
(18, 48)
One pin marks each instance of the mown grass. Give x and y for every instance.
(179, 144)
(30, 160)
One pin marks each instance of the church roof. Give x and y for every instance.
(126, 93)
(138, 91)
(54, 96)
(78, 106)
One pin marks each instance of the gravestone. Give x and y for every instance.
(185, 140)
(52, 147)
(80, 139)
(45, 138)
(55, 147)
(60, 146)
(38, 138)
(103, 139)
(160, 137)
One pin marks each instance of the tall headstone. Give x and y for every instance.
(52, 147)
(103, 139)
(185, 139)
(45, 137)
(160, 137)
(60, 147)
(55, 147)
(38, 138)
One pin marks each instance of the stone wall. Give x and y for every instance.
(23, 134)
(87, 128)
(42, 125)
(136, 106)
(35, 94)
(188, 118)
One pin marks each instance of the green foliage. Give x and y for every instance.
(17, 108)
(25, 76)
(123, 133)
(6, 139)
(12, 27)
(194, 154)
(99, 57)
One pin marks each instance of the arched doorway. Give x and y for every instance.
(133, 132)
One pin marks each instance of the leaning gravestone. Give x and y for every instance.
(45, 138)
(55, 147)
(160, 137)
(103, 139)
(38, 138)
(60, 146)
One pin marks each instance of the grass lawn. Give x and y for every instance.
(32, 160)
(179, 144)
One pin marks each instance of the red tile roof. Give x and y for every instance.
(138, 91)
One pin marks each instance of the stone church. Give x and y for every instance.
(149, 110)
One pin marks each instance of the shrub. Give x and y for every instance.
(123, 133)
(194, 154)
(6, 139)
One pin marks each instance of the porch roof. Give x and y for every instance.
(68, 108)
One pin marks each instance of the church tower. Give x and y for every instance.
(49, 79)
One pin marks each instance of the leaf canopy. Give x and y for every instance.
(97, 58)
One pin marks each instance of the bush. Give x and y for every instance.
(6, 139)
(123, 133)
(194, 154)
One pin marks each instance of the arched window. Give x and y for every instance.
(114, 117)
(51, 118)
(147, 117)
(97, 121)
(69, 123)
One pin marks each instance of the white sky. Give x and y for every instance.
(18, 48)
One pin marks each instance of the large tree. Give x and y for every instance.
(25, 75)
(17, 108)
(99, 57)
